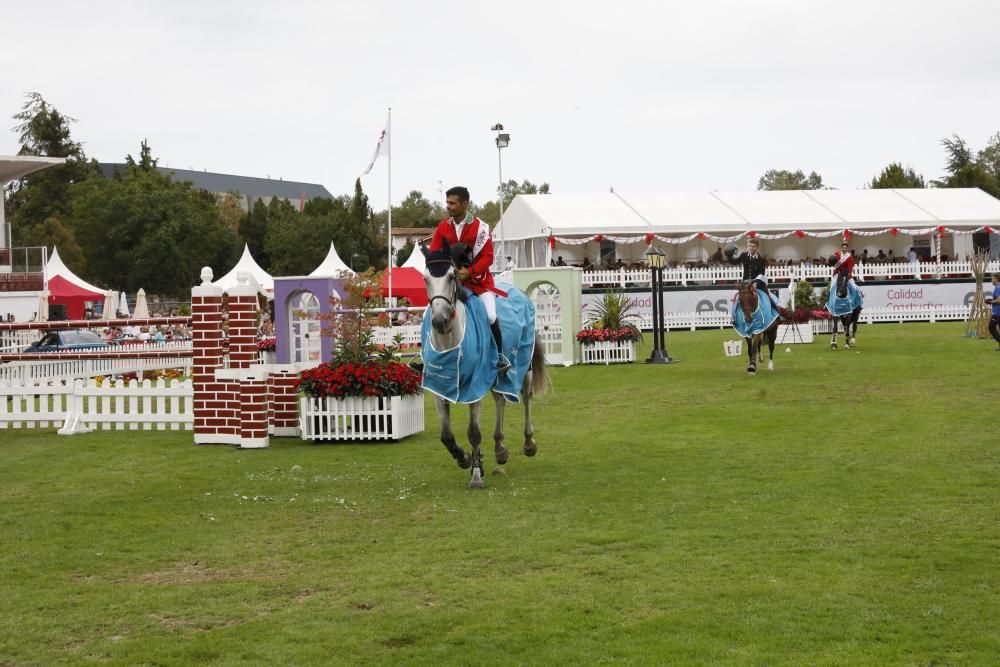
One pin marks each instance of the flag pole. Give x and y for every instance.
(388, 138)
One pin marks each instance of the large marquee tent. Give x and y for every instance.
(794, 223)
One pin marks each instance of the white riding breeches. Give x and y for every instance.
(489, 300)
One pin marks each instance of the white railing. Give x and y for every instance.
(778, 274)
(14, 342)
(721, 320)
(66, 370)
(386, 335)
(82, 405)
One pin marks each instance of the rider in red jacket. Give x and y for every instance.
(474, 272)
(843, 262)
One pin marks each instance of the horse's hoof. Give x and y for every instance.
(770, 365)
(464, 462)
(477, 479)
(833, 346)
(530, 449)
(502, 455)
(751, 371)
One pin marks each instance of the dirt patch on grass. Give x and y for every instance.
(199, 573)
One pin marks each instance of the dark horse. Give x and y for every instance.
(447, 314)
(849, 320)
(748, 304)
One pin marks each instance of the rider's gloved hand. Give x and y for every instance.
(463, 274)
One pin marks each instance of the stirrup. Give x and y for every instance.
(503, 364)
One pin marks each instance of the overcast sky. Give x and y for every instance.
(643, 96)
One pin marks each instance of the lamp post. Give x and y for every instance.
(353, 255)
(657, 260)
(502, 140)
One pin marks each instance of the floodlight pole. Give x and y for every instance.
(502, 141)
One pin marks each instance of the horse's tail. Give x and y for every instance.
(539, 373)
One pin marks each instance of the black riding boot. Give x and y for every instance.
(502, 363)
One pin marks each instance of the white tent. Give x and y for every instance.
(249, 265)
(333, 265)
(571, 219)
(416, 260)
(56, 267)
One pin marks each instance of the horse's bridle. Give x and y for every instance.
(454, 295)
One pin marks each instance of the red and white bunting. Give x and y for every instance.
(840, 233)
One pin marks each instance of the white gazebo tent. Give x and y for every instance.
(416, 260)
(793, 223)
(246, 264)
(332, 265)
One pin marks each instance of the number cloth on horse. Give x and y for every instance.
(839, 307)
(466, 373)
(761, 319)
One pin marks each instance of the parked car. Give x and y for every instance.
(68, 341)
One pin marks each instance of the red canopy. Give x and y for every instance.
(62, 291)
(407, 282)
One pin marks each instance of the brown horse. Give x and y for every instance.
(748, 304)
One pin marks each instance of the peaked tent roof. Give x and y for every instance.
(56, 267)
(332, 265)
(416, 260)
(61, 288)
(249, 264)
(531, 216)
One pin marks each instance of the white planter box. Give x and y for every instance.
(361, 417)
(609, 352)
(794, 333)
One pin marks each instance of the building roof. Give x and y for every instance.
(532, 216)
(250, 186)
(412, 231)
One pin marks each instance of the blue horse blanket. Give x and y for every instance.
(466, 373)
(761, 319)
(839, 307)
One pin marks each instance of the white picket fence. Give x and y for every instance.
(782, 274)
(81, 405)
(386, 335)
(14, 342)
(720, 320)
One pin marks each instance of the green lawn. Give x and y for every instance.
(842, 510)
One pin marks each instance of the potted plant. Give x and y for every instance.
(610, 336)
(266, 350)
(363, 392)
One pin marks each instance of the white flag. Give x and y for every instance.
(381, 149)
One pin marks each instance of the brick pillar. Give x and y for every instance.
(253, 410)
(242, 324)
(283, 413)
(206, 334)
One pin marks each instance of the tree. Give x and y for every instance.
(145, 230)
(44, 131)
(372, 234)
(404, 252)
(51, 233)
(896, 176)
(252, 229)
(782, 179)
(966, 171)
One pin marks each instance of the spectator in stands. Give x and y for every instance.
(864, 256)
(717, 255)
(880, 256)
(994, 301)
(159, 336)
(560, 261)
(890, 257)
(911, 256)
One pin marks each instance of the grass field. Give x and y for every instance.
(842, 510)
